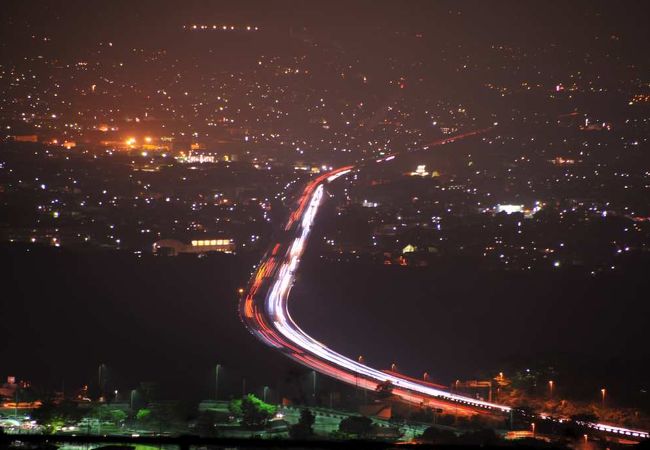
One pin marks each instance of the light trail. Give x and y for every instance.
(265, 313)
(277, 309)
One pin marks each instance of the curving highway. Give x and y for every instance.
(265, 312)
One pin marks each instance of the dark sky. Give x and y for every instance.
(519, 20)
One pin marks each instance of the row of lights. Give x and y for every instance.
(222, 27)
(132, 141)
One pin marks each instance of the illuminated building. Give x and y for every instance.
(201, 158)
(420, 171)
(172, 247)
(410, 248)
(511, 209)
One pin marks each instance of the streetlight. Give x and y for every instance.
(133, 393)
(264, 392)
(393, 367)
(532, 426)
(216, 383)
(550, 387)
(314, 374)
(425, 376)
(603, 393)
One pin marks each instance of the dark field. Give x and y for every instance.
(171, 319)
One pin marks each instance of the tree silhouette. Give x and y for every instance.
(357, 425)
(303, 429)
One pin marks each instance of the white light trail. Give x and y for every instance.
(321, 358)
(277, 307)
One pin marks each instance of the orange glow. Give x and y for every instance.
(22, 405)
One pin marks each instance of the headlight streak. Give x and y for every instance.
(278, 329)
(277, 307)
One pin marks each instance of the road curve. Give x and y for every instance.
(264, 310)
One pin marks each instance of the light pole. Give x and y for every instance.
(264, 392)
(393, 367)
(425, 376)
(101, 378)
(132, 398)
(550, 387)
(356, 377)
(532, 426)
(216, 382)
(603, 394)
(314, 386)
(362, 360)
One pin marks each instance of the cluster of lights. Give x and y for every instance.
(132, 141)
